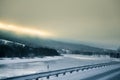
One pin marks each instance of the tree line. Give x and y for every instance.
(25, 51)
(113, 54)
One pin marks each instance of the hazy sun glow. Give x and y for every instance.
(22, 30)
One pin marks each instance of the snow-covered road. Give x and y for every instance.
(103, 73)
(56, 73)
(23, 67)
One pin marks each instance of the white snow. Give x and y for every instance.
(83, 75)
(93, 57)
(16, 67)
(7, 42)
(19, 60)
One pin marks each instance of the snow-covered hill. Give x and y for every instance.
(15, 49)
(7, 42)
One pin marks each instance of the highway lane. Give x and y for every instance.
(61, 71)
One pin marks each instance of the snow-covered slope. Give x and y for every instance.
(7, 42)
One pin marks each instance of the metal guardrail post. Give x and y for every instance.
(57, 72)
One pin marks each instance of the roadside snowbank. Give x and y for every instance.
(18, 60)
(93, 57)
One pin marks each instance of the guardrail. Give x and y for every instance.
(36, 76)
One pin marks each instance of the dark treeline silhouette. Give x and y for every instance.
(113, 54)
(14, 49)
(25, 51)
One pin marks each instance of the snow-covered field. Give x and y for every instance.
(15, 67)
(18, 60)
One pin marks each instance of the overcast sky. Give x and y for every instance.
(91, 21)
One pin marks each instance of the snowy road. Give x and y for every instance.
(103, 73)
(70, 70)
(18, 67)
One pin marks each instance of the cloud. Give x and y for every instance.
(95, 21)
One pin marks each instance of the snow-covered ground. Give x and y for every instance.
(19, 60)
(87, 57)
(15, 67)
(103, 73)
